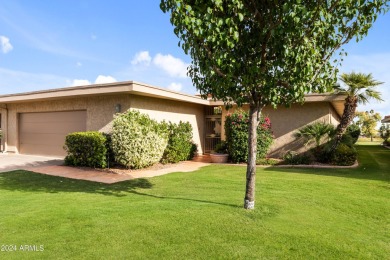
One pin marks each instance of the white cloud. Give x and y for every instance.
(13, 81)
(175, 86)
(101, 79)
(79, 64)
(80, 82)
(5, 44)
(141, 57)
(175, 67)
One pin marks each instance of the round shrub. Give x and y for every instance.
(236, 129)
(293, 158)
(344, 155)
(86, 149)
(354, 132)
(137, 140)
(180, 146)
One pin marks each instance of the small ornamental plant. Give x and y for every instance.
(236, 129)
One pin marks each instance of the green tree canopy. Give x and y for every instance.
(266, 52)
(367, 121)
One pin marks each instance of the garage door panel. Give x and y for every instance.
(67, 116)
(44, 133)
(40, 149)
(49, 127)
(44, 139)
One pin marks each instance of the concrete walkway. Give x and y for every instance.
(55, 167)
(11, 161)
(105, 176)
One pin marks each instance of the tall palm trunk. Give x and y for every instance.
(346, 119)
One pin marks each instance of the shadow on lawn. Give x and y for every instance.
(34, 182)
(374, 164)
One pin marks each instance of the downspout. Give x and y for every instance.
(5, 133)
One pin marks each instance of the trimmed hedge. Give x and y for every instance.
(180, 146)
(354, 132)
(344, 155)
(293, 158)
(86, 149)
(137, 140)
(236, 129)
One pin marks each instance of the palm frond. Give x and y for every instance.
(315, 132)
(361, 86)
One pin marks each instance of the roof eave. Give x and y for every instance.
(127, 87)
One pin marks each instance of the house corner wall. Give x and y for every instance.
(174, 111)
(286, 121)
(100, 113)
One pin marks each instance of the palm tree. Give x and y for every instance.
(315, 132)
(359, 88)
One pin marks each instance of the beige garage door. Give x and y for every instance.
(44, 133)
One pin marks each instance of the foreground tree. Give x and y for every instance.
(265, 52)
(367, 121)
(359, 89)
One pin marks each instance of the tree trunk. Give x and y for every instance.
(346, 119)
(249, 201)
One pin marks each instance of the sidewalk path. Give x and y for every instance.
(110, 177)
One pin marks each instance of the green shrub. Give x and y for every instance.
(315, 132)
(294, 158)
(354, 132)
(86, 149)
(137, 140)
(180, 146)
(221, 147)
(344, 155)
(110, 152)
(323, 154)
(347, 139)
(236, 130)
(267, 161)
(384, 133)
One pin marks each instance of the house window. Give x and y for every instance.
(213, 127)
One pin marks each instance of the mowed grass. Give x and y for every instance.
(300, 213)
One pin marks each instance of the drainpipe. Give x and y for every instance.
(5, 129)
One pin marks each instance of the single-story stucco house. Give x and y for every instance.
(37, 122)
(386, 120)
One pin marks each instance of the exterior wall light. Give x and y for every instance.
(118, 108)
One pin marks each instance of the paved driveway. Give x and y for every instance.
(10, 162)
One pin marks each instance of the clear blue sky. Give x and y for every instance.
(58, 43)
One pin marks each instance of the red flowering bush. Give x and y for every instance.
(236, 130)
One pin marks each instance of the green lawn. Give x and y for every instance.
(300, 213)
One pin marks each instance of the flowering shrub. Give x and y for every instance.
(236, 129)
(137, 140)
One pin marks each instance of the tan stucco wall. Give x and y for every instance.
(162, 109)
(3, 115)
(101, 109)
(286, 121)
(334, 117)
